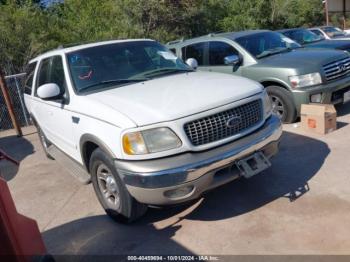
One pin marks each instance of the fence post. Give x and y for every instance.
(8, 103)
(22, 102)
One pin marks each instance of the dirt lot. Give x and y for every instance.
(301, 205)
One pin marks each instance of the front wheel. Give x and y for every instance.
(282, 103)
(111, 191)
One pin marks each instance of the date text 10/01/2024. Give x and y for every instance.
(173, 258)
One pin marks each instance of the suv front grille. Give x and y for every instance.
(337, 69)
(216, 127)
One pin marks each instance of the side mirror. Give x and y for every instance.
(49, 91)
(192, 63)
(232, 60)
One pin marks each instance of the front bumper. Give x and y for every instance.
(331, 93)
(148, 181)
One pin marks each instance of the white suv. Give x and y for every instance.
(144, 127)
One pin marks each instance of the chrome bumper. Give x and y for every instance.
(149, 180)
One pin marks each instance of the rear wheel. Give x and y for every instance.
(282, 103)
(111, 191)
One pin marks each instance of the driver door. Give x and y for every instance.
(52, 116)
(217, 52)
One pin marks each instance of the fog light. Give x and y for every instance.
(179, 192)
(316, 98)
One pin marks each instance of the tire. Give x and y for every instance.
(282, 103)
(45, 143)
(111, 191)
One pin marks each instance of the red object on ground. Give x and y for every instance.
(20, 237)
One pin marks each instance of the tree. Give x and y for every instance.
(21, 34)
(27, 27)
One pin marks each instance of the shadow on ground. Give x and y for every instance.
(16, 147)
(100, 235)
(299, 160)
(343, 110)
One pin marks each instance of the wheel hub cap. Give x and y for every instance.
(111, 185)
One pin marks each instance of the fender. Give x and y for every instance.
(277, 81)
(94, 139)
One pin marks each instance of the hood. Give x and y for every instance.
(171, 97)
(334, 44)
(303, 58)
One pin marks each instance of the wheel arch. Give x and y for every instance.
(88, 143)
(275, 82)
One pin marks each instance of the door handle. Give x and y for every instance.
(75, 119)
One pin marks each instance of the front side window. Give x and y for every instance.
(44, 72)
(51, 71)
(195, 51)
(28, 84)
(57, 73)
(218, 51)
(266, 43)
(113, 65)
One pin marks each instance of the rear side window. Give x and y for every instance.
(196, 51)
(28, 85)
(173, 50)
(317, 32)
(218, 51)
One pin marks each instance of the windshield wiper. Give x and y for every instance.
(273, 52)
(166, 71)
(114, 81)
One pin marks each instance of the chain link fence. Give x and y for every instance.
(15, 85)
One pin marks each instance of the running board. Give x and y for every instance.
(74, 168)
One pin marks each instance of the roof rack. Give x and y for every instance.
(62, 46)
(214, 33)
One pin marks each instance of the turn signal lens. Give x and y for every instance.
(134, 144)
(150, 141)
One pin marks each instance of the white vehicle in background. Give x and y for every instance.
(330, 33)
(145, 127)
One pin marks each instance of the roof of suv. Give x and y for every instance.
(229, 35)
(64, 50)
(290, 29)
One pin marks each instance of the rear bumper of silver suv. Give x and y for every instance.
(154, 181)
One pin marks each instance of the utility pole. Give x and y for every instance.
(344, 14)
(326, 11)
(9, 105)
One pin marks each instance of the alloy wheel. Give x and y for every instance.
(277, 106)
(108, 186)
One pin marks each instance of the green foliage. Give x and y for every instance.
(27, 28)
(271, 14)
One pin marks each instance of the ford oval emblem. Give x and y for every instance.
(233, 121)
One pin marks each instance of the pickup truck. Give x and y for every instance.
(144, 127)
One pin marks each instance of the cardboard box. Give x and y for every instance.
(318, 118)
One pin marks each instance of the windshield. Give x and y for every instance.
(333, 32)
(303, 36)
(266, 43)
(121, 63)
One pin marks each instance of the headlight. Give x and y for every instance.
(267, 104)
(150, 141)
(305, 80)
